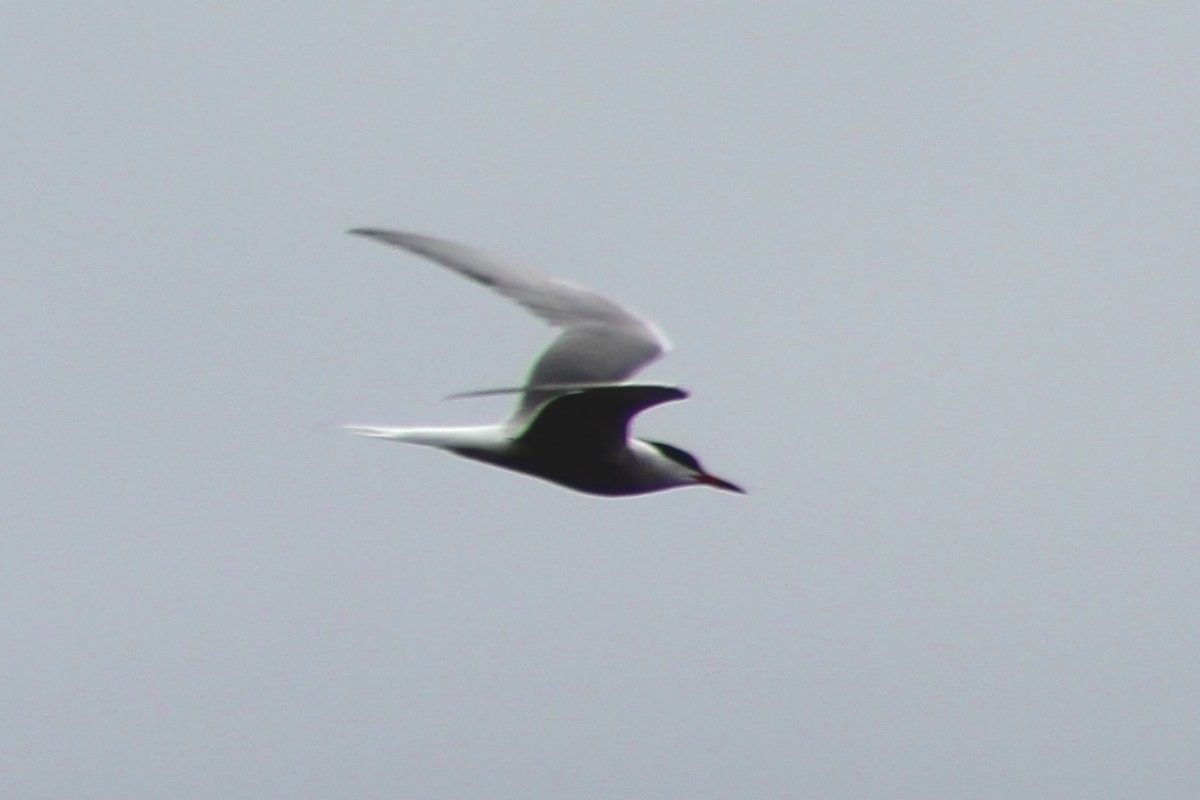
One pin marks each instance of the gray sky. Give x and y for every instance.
(931, 274)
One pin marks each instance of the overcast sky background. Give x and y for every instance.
(931, 275)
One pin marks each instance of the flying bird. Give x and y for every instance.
(571, 424)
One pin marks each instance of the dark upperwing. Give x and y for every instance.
(597, 418)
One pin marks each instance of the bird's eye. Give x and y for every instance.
(678, 455)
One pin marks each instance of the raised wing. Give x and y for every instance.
(603, 342)
(594, 419)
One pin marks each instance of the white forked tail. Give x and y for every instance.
(410, 435)
(484, 436)
(377, 433)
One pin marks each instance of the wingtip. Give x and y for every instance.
(679, 391)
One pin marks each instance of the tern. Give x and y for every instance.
(571, 425)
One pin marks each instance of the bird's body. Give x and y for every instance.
(571, 424)
(637, 468)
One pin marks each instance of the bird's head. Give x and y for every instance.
(692, 470)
